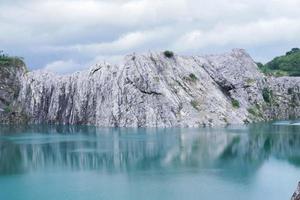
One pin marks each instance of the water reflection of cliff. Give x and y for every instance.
(33, 148)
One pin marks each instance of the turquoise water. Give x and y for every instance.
(87, 163)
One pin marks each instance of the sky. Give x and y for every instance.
(65, 36)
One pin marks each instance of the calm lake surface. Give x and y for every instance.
(254, 162)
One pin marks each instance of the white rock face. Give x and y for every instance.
(156, 91)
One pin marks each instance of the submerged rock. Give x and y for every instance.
(296, 195)
(155, 90)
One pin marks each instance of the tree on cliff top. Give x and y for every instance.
(6, 60)
(288, 64)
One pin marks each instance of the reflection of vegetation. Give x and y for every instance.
(295, 160)
(267, 145)
(229, 152)
(86, 148)
(14, 164)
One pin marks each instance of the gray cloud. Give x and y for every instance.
(72, 34)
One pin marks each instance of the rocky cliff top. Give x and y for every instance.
(160, 90)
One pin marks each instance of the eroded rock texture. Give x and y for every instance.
(153, 90)
(11, 75)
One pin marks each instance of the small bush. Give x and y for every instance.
(169, 54)
(6, 60)
(250, 81)
(225, 120)
(235, 103)
(8, 109)
(267, 95)
(252, 111)
(193, 77)
(255, 111)
(290, 91)
(194, 104)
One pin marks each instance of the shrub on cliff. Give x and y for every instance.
(193, 77)
(169, 54)
(267, 95)
(235, 103)
(6, 60)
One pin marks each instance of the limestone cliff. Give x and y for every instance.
(155, 90)
(12, 71)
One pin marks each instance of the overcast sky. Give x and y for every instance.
(70, 35)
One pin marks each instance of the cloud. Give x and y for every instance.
(70, 66)
(128, 42)
(78, 32)
(258, 32)
(63, 66)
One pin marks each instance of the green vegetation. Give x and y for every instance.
(156, 78)
(235, 103)
(286, 65)
(250, 81)
(169, 54)
(255, 111)
(194, 104)
(267, 95)
(193, 77)
(8, 109)
(9, 60)
(225, 120)
(252, 111)
(260, 65)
